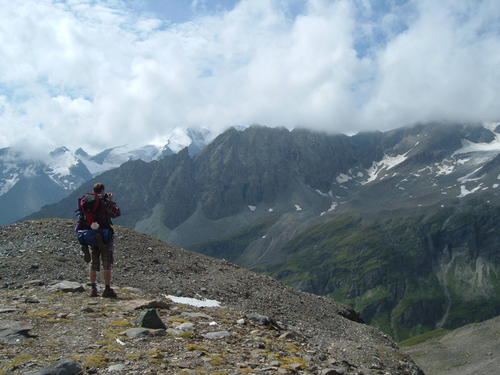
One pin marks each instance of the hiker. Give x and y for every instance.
(103, 251)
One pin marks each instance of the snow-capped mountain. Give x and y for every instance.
(424, 165)
(61, 166)
(65, 169)
(28, 182)
(192, 138)
(114, 157)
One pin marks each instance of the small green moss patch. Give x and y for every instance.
(426, 336)
(292, 348)
(41, 313)
(112, 334)
(133, 356)
(119, 323)
(216, 361)
(96, 360)
(192, 347)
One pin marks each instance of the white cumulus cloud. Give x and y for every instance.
(73, 68)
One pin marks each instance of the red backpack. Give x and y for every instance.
(93, 210)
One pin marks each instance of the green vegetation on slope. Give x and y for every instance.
(406, 276)
(426, 336)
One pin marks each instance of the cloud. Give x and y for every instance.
(99, 74)
(443, 67)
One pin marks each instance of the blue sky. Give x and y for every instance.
(132, 71)
(177, 11)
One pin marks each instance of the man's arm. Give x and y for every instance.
(114, 210)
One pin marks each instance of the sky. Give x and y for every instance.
(102, 73)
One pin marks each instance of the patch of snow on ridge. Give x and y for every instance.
(332, 207)
(193, 301)
(444, 169)
(321, 193)
(96, 169)
(464, 191)
(7, 185)
(252, 208)
(467, 178)
(385, 164)
(468, 146)
(343, 178)
(392, 161)
(62, 163)
(490, 125)
(462, 161)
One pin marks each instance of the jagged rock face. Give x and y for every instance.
(386, 222)
(260, 165)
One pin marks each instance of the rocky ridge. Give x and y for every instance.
(297, 332)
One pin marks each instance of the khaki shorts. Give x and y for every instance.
(98, 256)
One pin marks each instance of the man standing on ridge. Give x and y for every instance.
(103, 252)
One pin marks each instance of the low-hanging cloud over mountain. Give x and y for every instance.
(133, 72)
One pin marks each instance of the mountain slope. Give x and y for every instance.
(236, 179)
(33, 191)
(406, 276)
(320, 334)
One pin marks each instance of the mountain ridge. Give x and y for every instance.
(67, 170)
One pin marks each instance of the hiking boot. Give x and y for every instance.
(93, 292)
(100, 243)
(109, 293)
(86, 253)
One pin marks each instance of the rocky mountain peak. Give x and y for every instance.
(59, 151)
(81, 152)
